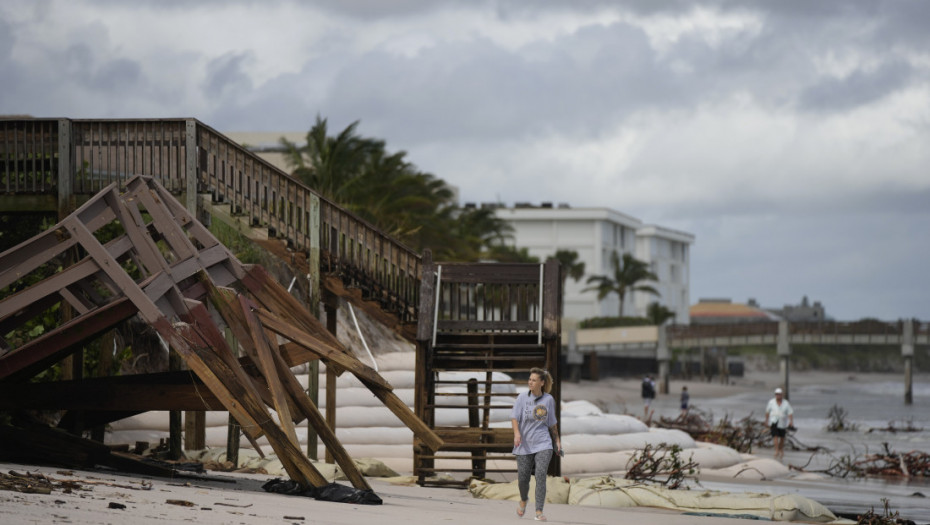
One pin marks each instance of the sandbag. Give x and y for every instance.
(598, 492)
(588, 443)
(602, 424)
(557, 490)
(612, 492)
(580, 408)
(711, 455)
(756, 469)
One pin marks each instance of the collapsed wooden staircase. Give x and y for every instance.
(481, 326)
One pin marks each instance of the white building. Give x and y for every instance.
(596, 233)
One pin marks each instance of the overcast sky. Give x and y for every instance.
(792, 138)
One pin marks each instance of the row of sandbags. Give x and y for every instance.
(594, 442)
(606, 491)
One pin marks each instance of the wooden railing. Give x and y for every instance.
(59, 161)
(366, 258)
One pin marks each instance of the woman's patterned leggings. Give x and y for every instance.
(525, 465)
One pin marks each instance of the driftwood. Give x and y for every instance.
(905, 426)
(887, 464)
(741, 436)
(661, 464)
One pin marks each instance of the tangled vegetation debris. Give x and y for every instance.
(886, 518)
(741, 436)
(887, 463)
(907, 425)
(661, 464)
(838, 420)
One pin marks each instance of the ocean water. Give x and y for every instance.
(870, 404)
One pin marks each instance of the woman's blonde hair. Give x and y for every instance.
(546, 378)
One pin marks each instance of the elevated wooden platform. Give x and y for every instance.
(481, 320)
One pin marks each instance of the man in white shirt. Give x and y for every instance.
(779, 416)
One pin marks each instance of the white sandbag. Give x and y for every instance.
(374, 468)
(480, 377)
(598, 492)
(396, 378)
(557, 491)
(375, 435)
(154, 420)
(360, 396)
(603, 424)
(756, 469)
(461, 401)
(395, 361)
(580, 408)
(588, 443)
(711, 455)
(130, 437)
(458, 417)
(382, 452)
(360, 416)
(595, 463)
(671, 436)
(609, 491)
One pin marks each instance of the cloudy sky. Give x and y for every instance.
(792, 138)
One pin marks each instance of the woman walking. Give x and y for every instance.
(534, 431)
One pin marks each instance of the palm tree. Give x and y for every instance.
(571, 266)
(417, 208)
(625, 276)
(330, 165)
(658, 313)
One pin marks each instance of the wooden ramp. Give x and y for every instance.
(482, 321)
(165, 267)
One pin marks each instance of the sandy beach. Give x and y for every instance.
(244, 502)
(239, 498)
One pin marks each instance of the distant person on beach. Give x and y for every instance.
(648, 393)
(535, 429)
(779, 416)
(685, 399)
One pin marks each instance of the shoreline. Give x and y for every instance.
(619, 392)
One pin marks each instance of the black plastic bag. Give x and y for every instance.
(331, 492)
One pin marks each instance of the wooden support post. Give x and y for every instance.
(663, 356)
(702, 363)
(313, 394)
(175, 427)
(195, 430)
(478, 464)
(907, 352)
(330, 305)
(233, 430)
(783, 349)
(104, 363)
(423, 376)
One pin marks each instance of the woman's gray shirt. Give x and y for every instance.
(534, 418)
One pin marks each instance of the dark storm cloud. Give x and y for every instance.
(581, 83)
(225, 77)
(785, 135)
